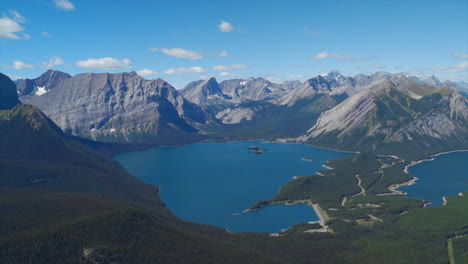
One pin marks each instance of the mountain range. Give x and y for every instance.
(120, 107)
(328, 110)
(210, 92)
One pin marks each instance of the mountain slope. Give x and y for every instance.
(394, 112)
(8, 95)
(35, 153)
(55, 227)
(121, 107)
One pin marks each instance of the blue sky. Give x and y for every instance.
(182, 41)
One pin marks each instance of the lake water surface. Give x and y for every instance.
(446, 175)
(208, 183)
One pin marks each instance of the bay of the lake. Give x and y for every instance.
(209, 183)
(446, 175)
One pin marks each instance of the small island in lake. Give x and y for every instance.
(307, 158)
(256, 150)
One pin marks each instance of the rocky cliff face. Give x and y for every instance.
(394, 110)
(204, 92)
(447, 119)
(121, 107)
(236, 115)
(8, 94)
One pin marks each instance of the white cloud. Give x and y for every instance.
(10, 27)
(182, 70)
(147, 72)
(179, 53)
(54, 61)
(379, 66)
(225, 26)
(188, 54)
(463, 56)
(459, 67)
(64, 4)
(223, 53)
(45, 34)
(230, 67)
(343, 57)
(295, 76)
(454, 72)
(19, 65)
(324, 55)
(273, 79)
(105, 64)
(227, 74)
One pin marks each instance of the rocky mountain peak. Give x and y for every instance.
(41, 84)
(204, 92)
(212, 86)
(432, 80)
(335, 74)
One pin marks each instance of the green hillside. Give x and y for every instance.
(35, 153)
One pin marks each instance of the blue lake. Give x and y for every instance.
(208, 183)
(446, 175)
